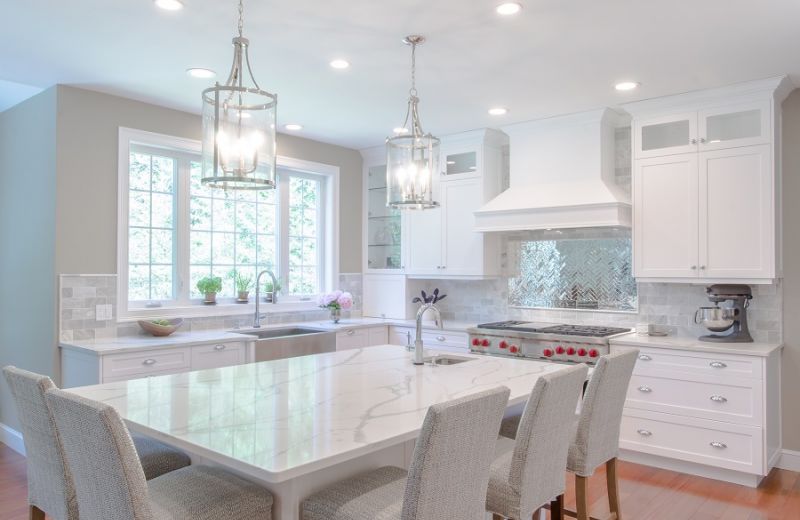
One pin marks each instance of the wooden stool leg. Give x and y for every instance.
(495, 516)
(582, 497)
(557, 508)
(34, 513)
(613, 487)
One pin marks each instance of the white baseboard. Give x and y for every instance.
(790, 460)
(12, 438)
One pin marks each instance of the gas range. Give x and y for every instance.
(547, 341)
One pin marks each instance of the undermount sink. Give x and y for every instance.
(446, 360)
(280, 333)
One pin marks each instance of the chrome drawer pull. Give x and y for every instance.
(219, 347)
(644, 433)
(149, 361)
(719, 399)
(717, 364)
(645, 357)
(351, 332)
(440, 338)
(718, 445)
(645, 389)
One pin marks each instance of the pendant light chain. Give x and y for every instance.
(241, 18)
(413, 90)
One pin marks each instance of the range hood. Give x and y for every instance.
(562, 176)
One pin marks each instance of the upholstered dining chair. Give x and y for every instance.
(110, 483)
(448, 476)
(50, 486)
(528, 472)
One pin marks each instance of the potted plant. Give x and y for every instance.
(210, 286)
(335, 302)
(269, 290)
(434, 297)
(243, 284)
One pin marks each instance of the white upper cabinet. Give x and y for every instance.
(705, 202)
(384, 227)
(425, 236)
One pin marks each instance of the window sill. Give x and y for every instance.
(211, 311)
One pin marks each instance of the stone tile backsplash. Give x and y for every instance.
(81, 294)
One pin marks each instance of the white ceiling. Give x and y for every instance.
(557, 56)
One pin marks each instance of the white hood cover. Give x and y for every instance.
(562, 176)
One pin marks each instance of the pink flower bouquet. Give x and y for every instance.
(336, 300)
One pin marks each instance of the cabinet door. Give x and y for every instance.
(736, 125)
(463, 246)
(218, 355)
(737, 213)
(665, 214)
(351, 338)
(378, 336)
(668, 135)
(425, 237)
(460, 162)
(384, 225)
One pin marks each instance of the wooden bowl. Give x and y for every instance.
(161, 330)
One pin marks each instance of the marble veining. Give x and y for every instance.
(758, 349)
(281, 419)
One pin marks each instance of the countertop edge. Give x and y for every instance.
(755, 349)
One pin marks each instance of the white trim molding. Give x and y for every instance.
(12, 438)
(790, 460)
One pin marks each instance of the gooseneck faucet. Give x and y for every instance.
(419, 358)
(257, 317)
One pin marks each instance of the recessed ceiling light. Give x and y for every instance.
(293, 127)
(627, 85)
(498, 111)
(509, 8)
(197, 72)
(340, 64)
(169, 5)
(400, 130)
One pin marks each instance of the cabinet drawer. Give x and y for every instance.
(147, 363)
(351, 338)
(740, 403)
(378, 335)
(218, 355)
(667, 361)
(445, 340)
(695, 440)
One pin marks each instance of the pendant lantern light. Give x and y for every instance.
(412, 155)
(239, 127)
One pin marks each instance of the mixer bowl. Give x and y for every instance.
(715, 319)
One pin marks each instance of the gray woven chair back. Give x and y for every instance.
(540, 452)
(449, 471)
(109, 480)
(597, 436)
(49, 483)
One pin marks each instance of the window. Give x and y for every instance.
(175, 231)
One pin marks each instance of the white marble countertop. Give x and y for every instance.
(693, 344)
(278, 420)
(103, 346)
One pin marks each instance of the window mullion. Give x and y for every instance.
(283, 238)
(182, 235)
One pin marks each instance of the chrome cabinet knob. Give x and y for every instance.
(645, 389)
(719, 399)
(717, 364)
(694, 268)
(219, 347)
(718, 445)
(702, 139)
(693, 141)
(702, 267)
(645, 357)
(351, 332)
(149, 361)
(440, 338)
(644, 433)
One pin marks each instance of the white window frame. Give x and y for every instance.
(329, 230)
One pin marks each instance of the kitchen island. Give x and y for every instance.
(298, 424)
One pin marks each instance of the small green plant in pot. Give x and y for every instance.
(210, 286)
(243, 284)
(269, 290)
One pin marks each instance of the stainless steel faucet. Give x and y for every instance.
(418, 350)
(257, 317)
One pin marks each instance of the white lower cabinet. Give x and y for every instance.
(720, 411)
(218, 355)
(447, 341)
(351, 338)
(139, 364)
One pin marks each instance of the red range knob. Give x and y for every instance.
(485, 343)
(559, 349)
(593, 353)
(547, 352)
(571, 351)
(513, 349)
(503, 344)
(582, 352)
(476, 342)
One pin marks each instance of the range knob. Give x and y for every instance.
(485, 343)
(547, 352)
(594, 353)
(582, 352)
(476, 342)
(570, 351)
(503, 344)
(560, 349)
(513, 349)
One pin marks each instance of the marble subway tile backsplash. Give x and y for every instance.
(79, 296)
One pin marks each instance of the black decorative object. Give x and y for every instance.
(433, 298)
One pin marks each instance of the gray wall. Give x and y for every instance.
(27, 240)
(791, 267)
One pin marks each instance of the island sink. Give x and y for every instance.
(446, 360)
(280, 333)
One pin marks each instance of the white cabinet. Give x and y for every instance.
(425, 231)
(384, 227)
(351, 338)
(218, 355)
(705, 182)
(446, 341)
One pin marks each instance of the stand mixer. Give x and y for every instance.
(732, 320)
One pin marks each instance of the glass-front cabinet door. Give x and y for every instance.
(384, 225)
(668, 135)
(734, 126)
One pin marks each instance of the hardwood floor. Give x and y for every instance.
(646, 494)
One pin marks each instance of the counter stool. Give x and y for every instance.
(110, 482)
(448, 476)
(529, 471)
(50, 486)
